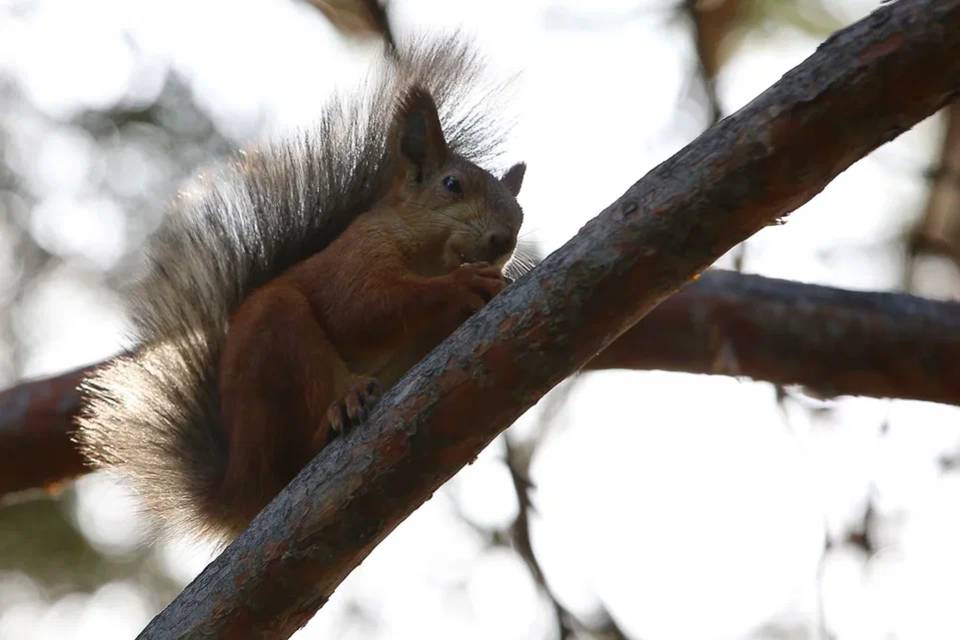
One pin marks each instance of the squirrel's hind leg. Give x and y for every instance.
(279, 377)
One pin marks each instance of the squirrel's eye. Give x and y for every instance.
(452, 185)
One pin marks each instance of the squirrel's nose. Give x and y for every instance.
(499, 242)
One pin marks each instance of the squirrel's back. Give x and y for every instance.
(154, 413)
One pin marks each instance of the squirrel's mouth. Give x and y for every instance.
(498, 259)
(481, 250)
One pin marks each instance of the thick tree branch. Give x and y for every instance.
(833, 341)
(35, 423)
(861, 88)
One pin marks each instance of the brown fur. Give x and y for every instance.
(290, 287)
(402, 276)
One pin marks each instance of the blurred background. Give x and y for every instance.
(640, 505)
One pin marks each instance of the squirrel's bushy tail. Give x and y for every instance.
(154, 414)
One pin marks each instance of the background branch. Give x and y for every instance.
(36, 419)
(358, 18)
(938, 231)
(832, 341)
(861, 88)
(518, 459)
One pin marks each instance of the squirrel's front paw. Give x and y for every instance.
(477, 283)
(353, 407)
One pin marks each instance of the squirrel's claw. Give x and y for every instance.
(353, 408)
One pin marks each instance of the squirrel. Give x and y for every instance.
(287, 290)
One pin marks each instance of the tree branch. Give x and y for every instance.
(832, 341)
(36, 419)
(861, 88)
(938, 232)
(518, 459)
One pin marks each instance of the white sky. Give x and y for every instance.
(688, 505)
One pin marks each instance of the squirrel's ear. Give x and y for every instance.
(418, 135)
(513, 178)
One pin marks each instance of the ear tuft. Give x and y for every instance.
(419, 134)
(513, 178)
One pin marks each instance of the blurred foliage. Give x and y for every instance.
(38, 538)
(133, 156)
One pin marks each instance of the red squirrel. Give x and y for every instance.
(297, 283)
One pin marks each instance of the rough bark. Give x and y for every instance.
(861, 88)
